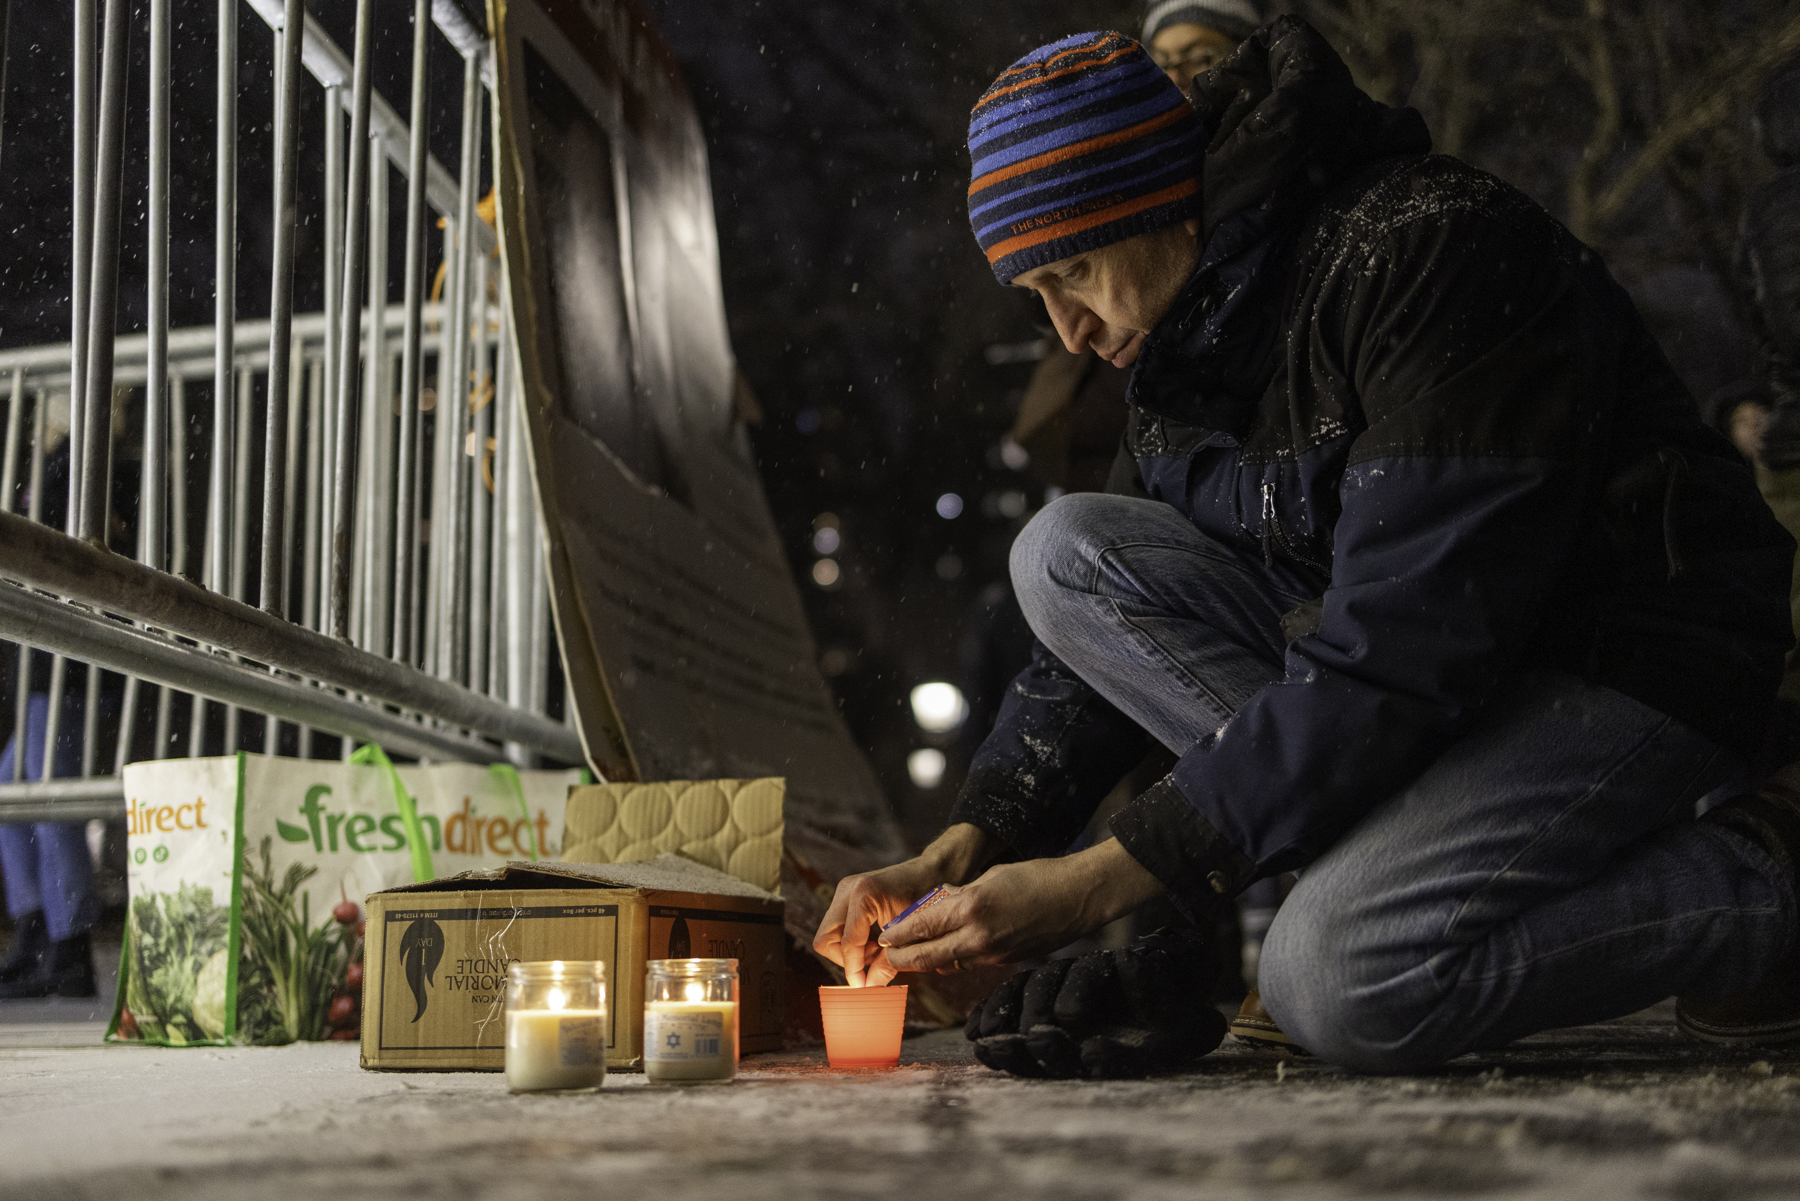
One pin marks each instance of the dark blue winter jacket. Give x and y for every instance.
(1399, 378)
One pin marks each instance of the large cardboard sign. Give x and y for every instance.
(683, 636)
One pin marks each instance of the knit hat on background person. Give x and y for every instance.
(1236, 19)
(1080, 144)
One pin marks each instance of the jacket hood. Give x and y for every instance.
(1288, 122)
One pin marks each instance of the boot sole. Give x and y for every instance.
(1769, 1034)
(1269, 1035)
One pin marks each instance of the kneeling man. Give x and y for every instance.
(1417, 554)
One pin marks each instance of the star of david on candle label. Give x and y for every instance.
(683, 1037)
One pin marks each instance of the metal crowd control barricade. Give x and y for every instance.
(335, 534)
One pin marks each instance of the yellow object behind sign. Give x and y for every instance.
(733, 826)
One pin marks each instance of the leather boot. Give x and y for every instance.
(30, 944)
(1254, 1026)
(66, 969)
(1769, 1013)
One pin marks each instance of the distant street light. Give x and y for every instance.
(939, 707)
(926, 767)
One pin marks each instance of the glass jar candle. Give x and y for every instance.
(555, 1026)
(691, 1021)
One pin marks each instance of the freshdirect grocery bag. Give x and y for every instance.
(248, 874)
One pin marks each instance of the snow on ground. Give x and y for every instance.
(1624, 1110)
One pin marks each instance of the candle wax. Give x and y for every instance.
(690, 1040)
(551, 1049)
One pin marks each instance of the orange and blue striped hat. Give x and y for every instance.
(1080, 144)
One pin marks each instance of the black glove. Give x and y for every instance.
(1111, 1014)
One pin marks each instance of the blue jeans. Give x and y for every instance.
(46, 864)
(1545, 871)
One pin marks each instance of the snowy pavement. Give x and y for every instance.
(1628, 1109)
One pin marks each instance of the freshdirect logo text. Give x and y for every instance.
(464, 833)
(162, 819)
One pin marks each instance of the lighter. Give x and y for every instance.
(931, 898)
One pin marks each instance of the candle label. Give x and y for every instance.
(683, 1037)
(579, 1043)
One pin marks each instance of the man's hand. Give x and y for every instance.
(873, 899)
(1021, 910)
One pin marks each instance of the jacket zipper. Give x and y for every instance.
(1275, 538)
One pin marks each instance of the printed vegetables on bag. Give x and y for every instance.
(295, 971)
(175, 938)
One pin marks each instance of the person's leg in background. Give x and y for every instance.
(49, 874)
(24, 904)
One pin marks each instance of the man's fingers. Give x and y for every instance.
(880, 970)
(855, 954)
(860, 912)
(829, 942)
(955, 950)
(931, 922)
(831, 927)
(946, 935)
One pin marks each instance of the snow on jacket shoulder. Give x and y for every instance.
(1424, 391)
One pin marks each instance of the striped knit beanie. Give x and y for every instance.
(1080, 144)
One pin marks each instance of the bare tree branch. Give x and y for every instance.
(1603, 136)
(1700, 107)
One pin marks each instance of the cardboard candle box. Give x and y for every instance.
(434, 988)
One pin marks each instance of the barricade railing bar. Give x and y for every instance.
(285, 533)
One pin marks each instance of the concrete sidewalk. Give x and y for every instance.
(1627, 1109)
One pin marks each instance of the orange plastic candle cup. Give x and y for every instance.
(863, 1025)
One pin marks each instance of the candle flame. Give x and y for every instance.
(696, 991)
(556, 999)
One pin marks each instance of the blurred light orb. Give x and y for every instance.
(949, 506)
(950, 566)
(939, 707)
(1012, 504)
(926, 767)
(825, 573)
(826, 540)
(1013, 455)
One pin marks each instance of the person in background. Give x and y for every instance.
(1764, 413)
(46, 865)
(1186, 37)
